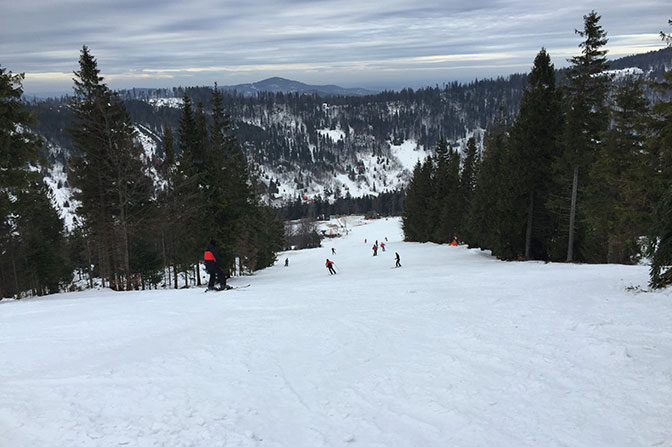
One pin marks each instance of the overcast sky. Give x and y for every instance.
(352, 43)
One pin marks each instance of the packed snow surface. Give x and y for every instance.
(454, 348)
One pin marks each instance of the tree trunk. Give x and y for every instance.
(572, 216)
(198, 273)
(16, 276)
(175, 276)
(528, 232)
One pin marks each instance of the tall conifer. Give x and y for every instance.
(535, 138)
(587, 116)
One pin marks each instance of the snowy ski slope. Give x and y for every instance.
(453, 349)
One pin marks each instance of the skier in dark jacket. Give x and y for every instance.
(396, 258)
(213, 264)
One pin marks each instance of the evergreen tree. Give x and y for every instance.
(535, 138)
(168, 144)
(467, 184)
(185, 203)
(31, 232)
(108, 171)
(587, 115)
(19, 148)
(446, 213)
(660, 145)
(491, 222)
(620, 207)
(661, 265)
(417, 216)
(41, 233)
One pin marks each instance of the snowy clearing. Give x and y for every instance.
(453, 349)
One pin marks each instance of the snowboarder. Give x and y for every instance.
(286, 262)
(330, 267)
(375, 250)
(382, 245)
(213, 264)
(454, 243)
(396, 258)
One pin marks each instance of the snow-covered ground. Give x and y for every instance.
(453, 349)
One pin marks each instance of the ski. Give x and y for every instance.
(228, 288)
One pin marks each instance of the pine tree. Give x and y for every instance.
(661, 265)
(168, 144)
(446, 213)
(535, 138)
(19, 147)
(31, 233)
(417, 216)
(229, 193)
(617, 198)
(467, 184)
(492, 222)
(587, 117)
(108, 171)
(660, 144)
(41, 233)
(186, 202)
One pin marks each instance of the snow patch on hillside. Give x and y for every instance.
(408, 154)
(334, 135)
(57, 181)
(619, 75)
(174, 103)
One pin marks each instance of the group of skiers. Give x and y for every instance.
(375, 247)
(330, 264)
(217, 272)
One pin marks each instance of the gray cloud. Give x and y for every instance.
(390, 43)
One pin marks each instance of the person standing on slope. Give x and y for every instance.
(213, 264)
(330, 266)
(454, 243)
(375, 250)
(396, 258)
(382, 245)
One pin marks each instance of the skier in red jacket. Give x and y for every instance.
(330, 266)
(213, 265)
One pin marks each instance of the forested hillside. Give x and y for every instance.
(332, 146)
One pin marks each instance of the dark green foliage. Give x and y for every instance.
(41, 239)
(618, 198)
(32, 250)
(145, 262)
(445, 207)
(535, 141)
(18, 146)
(417, 217)
(660, 146)
(661, 244)
(108, 171)
(587, 119)
(470, 168)
(495, 215)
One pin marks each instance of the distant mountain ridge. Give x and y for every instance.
(282, 85)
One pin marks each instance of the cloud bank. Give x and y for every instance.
(383, 44)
